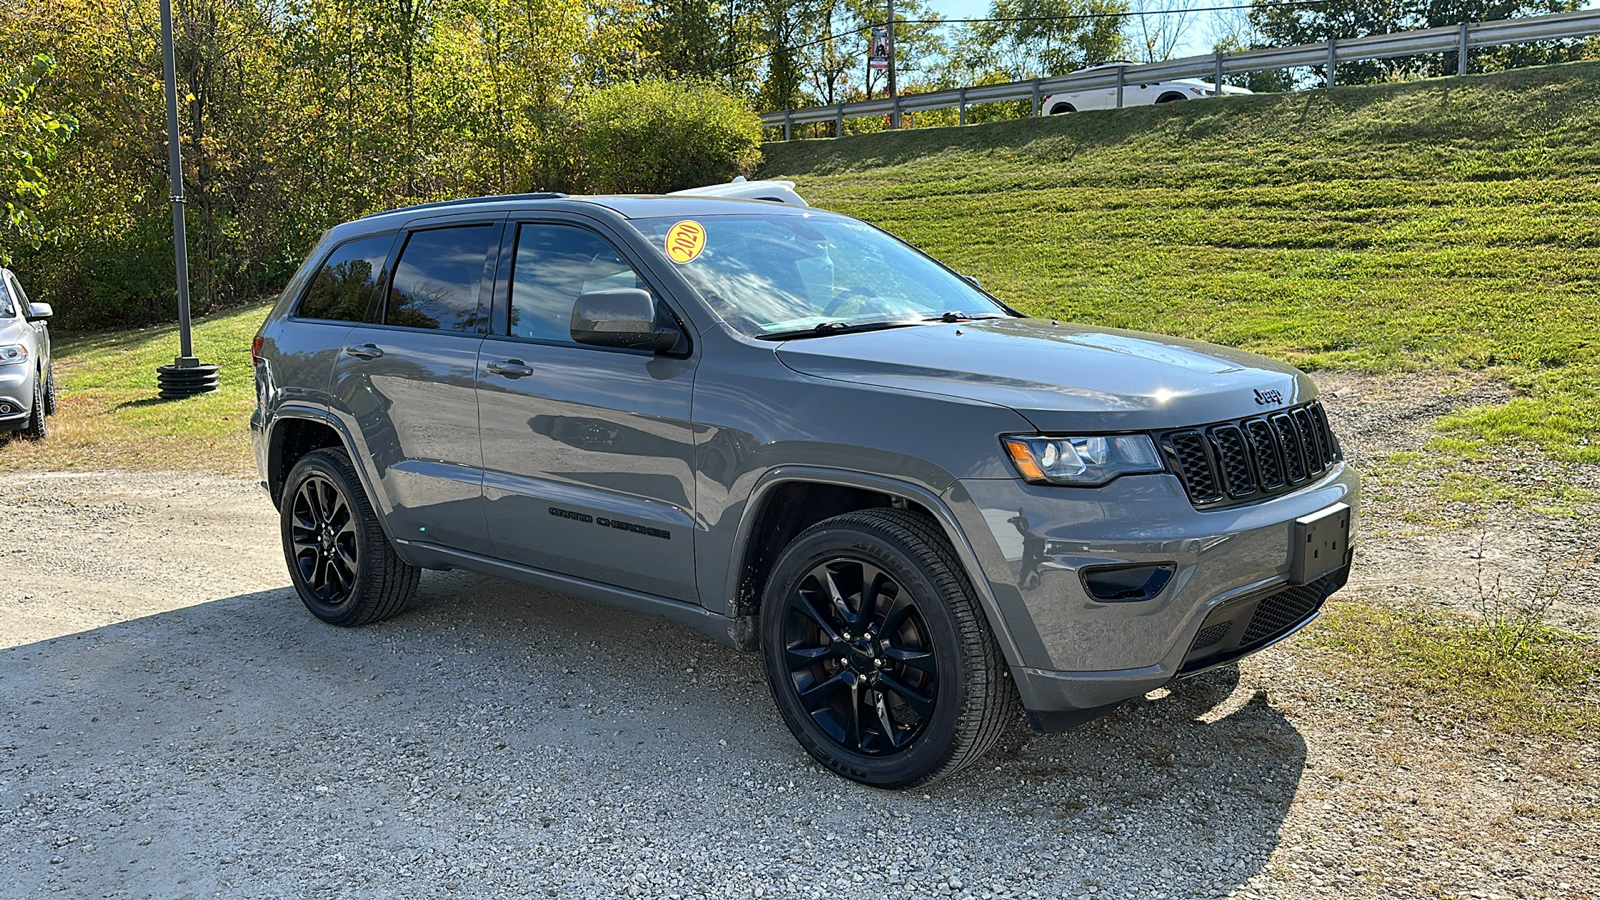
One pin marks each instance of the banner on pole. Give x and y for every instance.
(878, 50)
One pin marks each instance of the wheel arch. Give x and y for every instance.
(1171, 97)
(298, 430)
(1061, 108)
(774, 515)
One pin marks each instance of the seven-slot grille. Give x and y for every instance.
(1248, 459)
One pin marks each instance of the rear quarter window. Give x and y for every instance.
(346, 286)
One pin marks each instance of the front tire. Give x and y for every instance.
(37, 428)
(878, 654)
(340, 561)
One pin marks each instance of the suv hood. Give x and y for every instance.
(1060, 377)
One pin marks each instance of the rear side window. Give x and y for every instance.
(554, 264)
(346, 288)
(439, 277)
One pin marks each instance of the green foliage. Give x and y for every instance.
(1045, 37)
(653, 136)
(1443, 224)
(30, 136)
(295, 115)
(1315, 23)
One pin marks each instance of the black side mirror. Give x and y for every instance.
(38, 312)
(623, 318)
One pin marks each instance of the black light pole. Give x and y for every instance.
(186, 377)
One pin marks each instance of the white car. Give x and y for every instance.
(1134, 93)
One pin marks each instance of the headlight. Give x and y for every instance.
(1084, 461)
(13, 354)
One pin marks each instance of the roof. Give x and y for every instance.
(630, 206)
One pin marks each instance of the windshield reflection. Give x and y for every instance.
(782, 273)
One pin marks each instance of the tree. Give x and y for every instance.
(1040, 38)
(1158, 34)
(1284, 25)
(30, 136)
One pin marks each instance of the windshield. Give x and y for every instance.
(772, 275)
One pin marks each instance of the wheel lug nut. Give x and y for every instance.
(878, 663)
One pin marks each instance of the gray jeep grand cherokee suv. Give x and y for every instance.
(798, 434)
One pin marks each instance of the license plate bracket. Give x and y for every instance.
(1319, 543)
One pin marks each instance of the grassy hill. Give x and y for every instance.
(1450, 223)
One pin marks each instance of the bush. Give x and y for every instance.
(653, 137)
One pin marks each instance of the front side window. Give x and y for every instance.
(346, 288)
(776, 274)
(7, 308)
(439, 277)
(554, 264)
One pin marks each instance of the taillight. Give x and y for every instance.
(255, 350)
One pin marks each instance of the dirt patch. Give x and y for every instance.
(1495, 534)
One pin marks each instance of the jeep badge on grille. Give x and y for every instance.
(1265, 397)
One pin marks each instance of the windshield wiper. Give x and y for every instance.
(955, 315)
(824, 329)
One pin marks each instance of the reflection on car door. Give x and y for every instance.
(586, 450)
(407, 384)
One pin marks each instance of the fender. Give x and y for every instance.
(894, 487)
(321, 416)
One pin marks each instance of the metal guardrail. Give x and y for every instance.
(1461, 38)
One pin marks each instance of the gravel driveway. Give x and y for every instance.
(176, 725)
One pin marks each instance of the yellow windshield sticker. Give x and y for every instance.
(685, 240)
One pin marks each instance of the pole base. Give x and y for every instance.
(186, 377)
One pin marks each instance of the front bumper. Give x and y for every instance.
(16, 396)
(1078, 655)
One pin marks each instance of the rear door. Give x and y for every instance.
(404, 383)
(345, 289)
(586, 450)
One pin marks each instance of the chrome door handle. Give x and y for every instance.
(511, 368)
(365, 351)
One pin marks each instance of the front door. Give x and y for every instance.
(586, 450)
(406, 385)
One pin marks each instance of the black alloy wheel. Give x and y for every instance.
(342, 564)
(323, 531)
(878, 654)
(860, 657)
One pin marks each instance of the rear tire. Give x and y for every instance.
(878, 654)
(50, 390)
(1061, 109)
(339, 559)
(37, 428)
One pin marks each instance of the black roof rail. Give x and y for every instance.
(440, 204)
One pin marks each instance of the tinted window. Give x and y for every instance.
(437, 280)
(346, 288)
(6, 308)
(554, 264)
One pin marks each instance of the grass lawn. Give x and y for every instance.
(1452, 223)
(109, 417)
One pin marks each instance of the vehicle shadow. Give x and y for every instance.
(514, 741)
